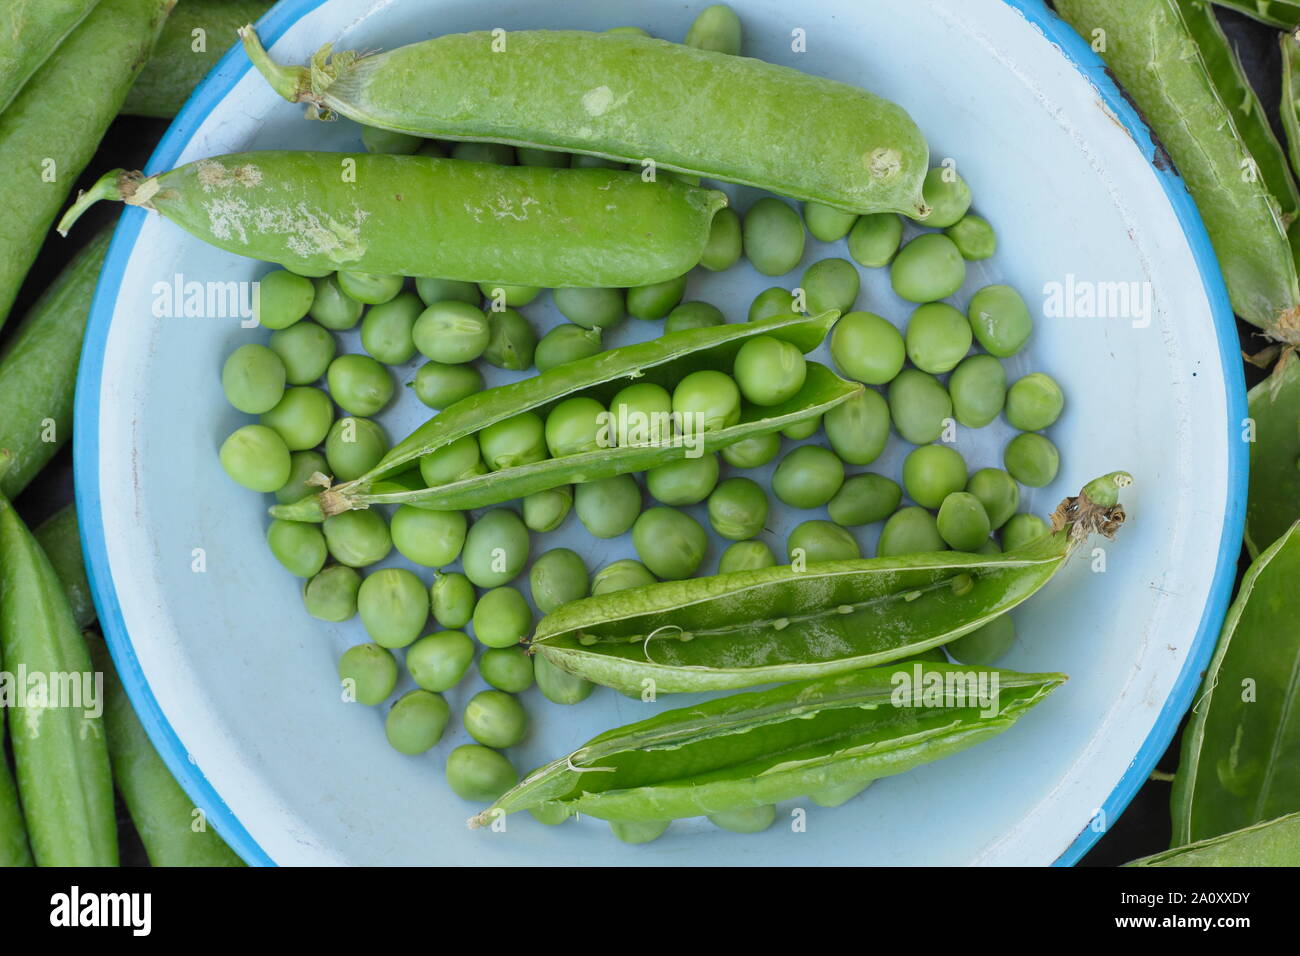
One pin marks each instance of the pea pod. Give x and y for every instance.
(665, 360)
(790, 622)
(625, 98)
(30, 30)
(60, 539)
(1283, 14)
(1272, 843)
(758, 748)
(1274, 498)
(14, 850)
(395, 215)
(1241, 750)
(1289, 108)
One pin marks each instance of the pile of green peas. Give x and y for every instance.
(316, 409)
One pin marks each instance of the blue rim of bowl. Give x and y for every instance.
(234, 65)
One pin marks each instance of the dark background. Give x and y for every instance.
(1144, 827)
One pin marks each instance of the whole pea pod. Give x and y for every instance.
(628, 98)
(663, 361)
(790, 622)
(1283, 14)
(755, 749)
(60, 538)
(1272, 843)
(411, 215)
(1273, 501)
(30, 30)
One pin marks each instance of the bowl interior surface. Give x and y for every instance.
(238, 685)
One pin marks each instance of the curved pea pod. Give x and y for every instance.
(665, 361)
(1273, 843)
(758, 748)
(1241, 750)
(1274, 499)
(626, 98)
(791, 623)
(395, 215)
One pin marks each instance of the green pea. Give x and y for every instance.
(432, 291)
(826, 223)
(566, 343)
(499, 154)
(495, 719)
(559, 686)
(858, 429)
(631, 31)
(332, 594)
(772, 303)
(253, 379)
(738, 509)
(997, 492)
(919, 406)
(753, 452)
(301, 418)
(394, 606)
(686, 481)
(429, 538)
(927, 269)
(512, 342)
(309, 273)
(437, 662)
(496, 549)
(507, 668)
(386, 329)
(723, 248)
(368, 672)
(439, 386)
(306, 350)
(577, 425)
(502, 618)
(282, 298)
(359, 384)
(717, 28)
(552, 814)
(838, 796)
(546, 510)
(256, 457)
(638, 832)
(532, 156)
(451, 332)
(378, 140)
(974, 237)
(299, 546)
(911, 530)
(302, 466)
(938, 337)
(353, 446)
(416, 722)
(1021, 529)
(947, 195)
(370, 288)
(478, 774)
(808, 477)
(769, 370)
(978, 387)
(773, 236)
(515, 296)
(591, 308)
(963, 522)
(1031, 459)
(513, 442)
(1034, 402)
(358, 538)
(874, 239)
(931, 473)
(1000, 320)
(864, 499)
(558, 577)
(746, 556)
(332, 307)
(587, 161)
(642, 414)
(815, 541)
(670, 543)
(831, 284)
(985, 645)
(657, 300)
(867, 348)
(454, 462)
(694, 315)
(706, 401)
(452, 599)
(620, 576)
(608, 507)
(751, 820)
(804, 429)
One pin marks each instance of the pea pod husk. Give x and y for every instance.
(1271, 843)
(60, 538)
(664, 360)
(790, 623)
(409, 215)
(1273, 502)
(1283, 14)
(758, 748)
(30, 30)
(628, 98)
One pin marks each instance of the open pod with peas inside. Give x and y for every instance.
(664, 361)
(792, 623)
(747, 751)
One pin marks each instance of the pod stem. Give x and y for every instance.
(116, 184)
(291, 82)
(316, 508)
(1095, 510)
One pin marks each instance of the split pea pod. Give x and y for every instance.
(790, 622)
(662, 361)
(751, 750)
(409, 215)
(628, 98)
(30, 30)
